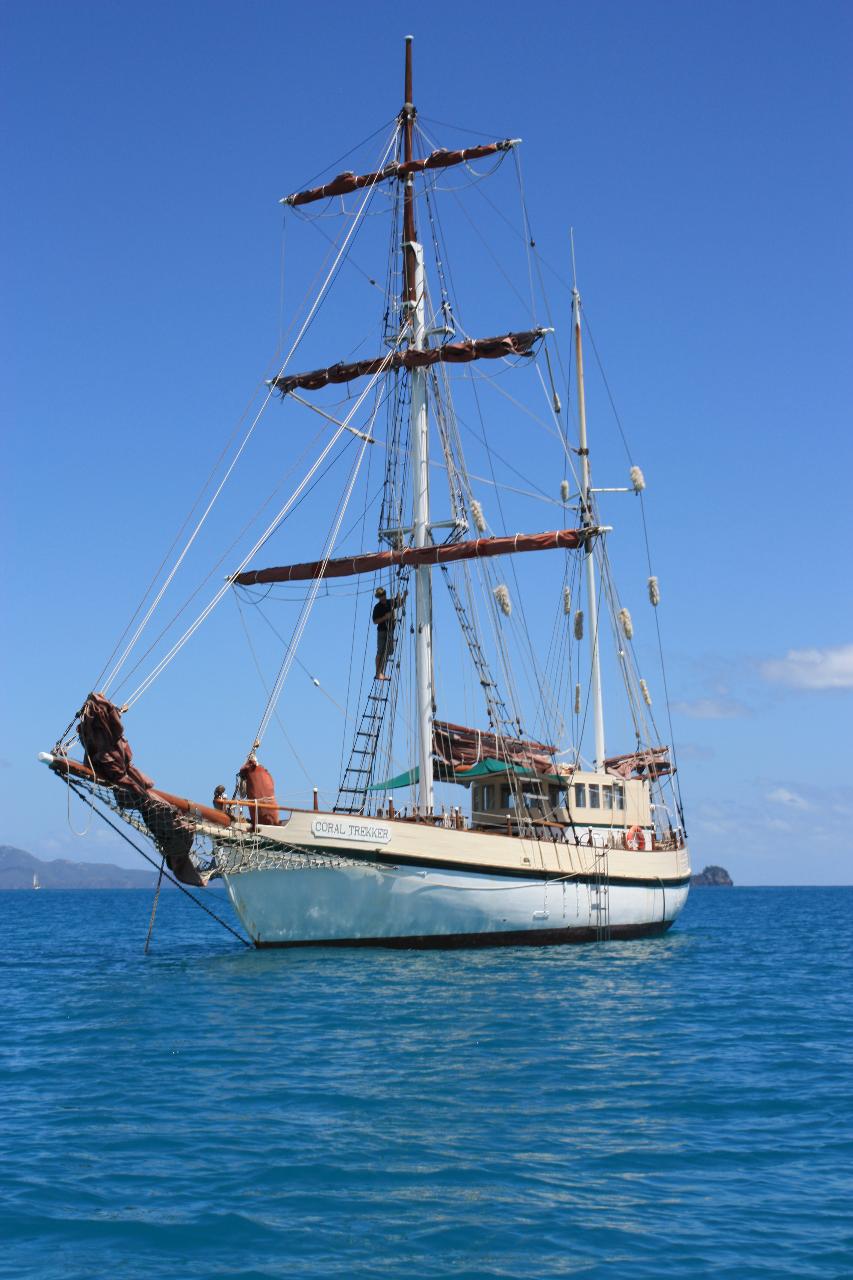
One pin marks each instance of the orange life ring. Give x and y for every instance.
(633, 836)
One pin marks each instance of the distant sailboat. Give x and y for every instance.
(36, 884)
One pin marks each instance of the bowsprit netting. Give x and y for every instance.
(187, 847)
(211, 852)
(244, 851)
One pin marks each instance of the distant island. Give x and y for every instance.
(716, 876)
(17, 869)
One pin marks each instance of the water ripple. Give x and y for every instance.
(676, 1106)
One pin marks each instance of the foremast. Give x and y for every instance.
(588, 523)
(414, 304)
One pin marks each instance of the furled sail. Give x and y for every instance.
(109, 758)
(344, 183)
(653, 763)
(460, 749)
(472, 549)
(507, 344)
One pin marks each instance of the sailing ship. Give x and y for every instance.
(36, 881)
(518, 829)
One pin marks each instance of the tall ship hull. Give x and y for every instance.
(432, 889)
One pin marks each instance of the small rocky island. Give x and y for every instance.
(716, 876)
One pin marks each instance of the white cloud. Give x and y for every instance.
(781, 795)
(813, 668)
(711, 709)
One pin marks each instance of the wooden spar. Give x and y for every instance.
(345, 183)
(473, 549)
(65, 767)
(497, 348)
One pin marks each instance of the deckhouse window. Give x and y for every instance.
(607, 794)
(618, 796)
(580, 795)
(594, 796)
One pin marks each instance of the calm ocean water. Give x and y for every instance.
(673, 1107)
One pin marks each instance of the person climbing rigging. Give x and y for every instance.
(383, 615)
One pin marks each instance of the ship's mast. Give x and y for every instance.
(414, 304)
(589, 563)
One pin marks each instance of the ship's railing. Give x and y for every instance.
(257, 812)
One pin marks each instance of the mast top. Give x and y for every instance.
(410, 235)
(408, 104)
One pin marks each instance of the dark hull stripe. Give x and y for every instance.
(509, 873)
(508, 938)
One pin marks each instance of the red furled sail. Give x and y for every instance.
(473, 549)
(507, 344)
(344, 183)
(653, 763)
(110, 759)
(462, 748)
(258, 786)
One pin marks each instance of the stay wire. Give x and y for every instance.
(303, 186)
(244, 443)
(664, 681)
(302, 622)
(164, 631)
(167, 874)
(265, 688)
(268, 532)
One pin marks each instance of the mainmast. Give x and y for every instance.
(414, 305)
(587, 522)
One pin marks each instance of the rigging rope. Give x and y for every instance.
(245, 441)
(164, 662)
(302, 622)
(265, 688)
(675, 782)
(167, 874)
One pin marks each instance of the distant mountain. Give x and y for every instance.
(18, 867)
(716, 876)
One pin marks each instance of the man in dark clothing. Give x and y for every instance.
(383, 616)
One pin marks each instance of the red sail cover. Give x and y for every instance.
(462, 748)
(507, 344)
(474, 549)
(259, 787)
(109, 756)
(344, 183)
(653, 763)
(101, 734)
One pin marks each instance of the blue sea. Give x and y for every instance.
(671, 1107)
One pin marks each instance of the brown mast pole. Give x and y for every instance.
(409, 231)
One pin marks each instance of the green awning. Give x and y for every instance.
(485, 769)
(407, 779)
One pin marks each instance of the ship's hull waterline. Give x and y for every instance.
(392, 896)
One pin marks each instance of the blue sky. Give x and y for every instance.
(702, 155)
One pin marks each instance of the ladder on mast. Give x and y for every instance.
(358, 775)
(599, 894)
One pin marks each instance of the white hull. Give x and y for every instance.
(558, 894)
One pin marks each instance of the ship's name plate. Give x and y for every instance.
(351, 830)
